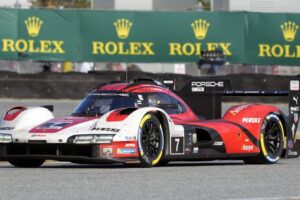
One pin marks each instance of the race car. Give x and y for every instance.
(142, 122)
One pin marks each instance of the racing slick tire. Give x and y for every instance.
(150, 141)
(27, 163)
(271, 141)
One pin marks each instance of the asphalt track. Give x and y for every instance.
(196, 180)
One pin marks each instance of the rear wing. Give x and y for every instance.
(204, 96)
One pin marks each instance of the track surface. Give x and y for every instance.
(214, 180)
(196, 180)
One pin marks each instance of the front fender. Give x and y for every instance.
(24, 118)
(129, 121)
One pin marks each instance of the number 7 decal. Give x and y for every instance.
(177, 145)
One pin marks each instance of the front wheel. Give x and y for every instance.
(150, 141)
(271, 141)
(27, 162)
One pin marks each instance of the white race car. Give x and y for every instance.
(140, 122)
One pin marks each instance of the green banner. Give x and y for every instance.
(124, 36)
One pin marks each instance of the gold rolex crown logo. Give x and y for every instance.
(200, 28)
(33, 26)
(289, 30)
(123, 28)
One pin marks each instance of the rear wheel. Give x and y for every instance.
(27, 163)
(150, 141)
(271, 141)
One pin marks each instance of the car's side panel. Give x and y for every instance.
(250, 116)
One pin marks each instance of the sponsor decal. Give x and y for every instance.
(251, 120)
(107, 152)
(195, 150)
(292, 153)
(247, 147)
(294, 85)
(218, 143)
(289, 32)
(123, 28)
(168, 82)
(295, 99)
(200, 28)
(110, 94)
(126, 151)
(140, 97)
(33, 27)
(188, 150)
(199, 86)
(6, 128)
(130, 145)
(54, 125)
(290, 144)
(238, 109)
(115, 130)
(38, 135)
(207, 84)
(197, 89)
(295, 109)
(130, 137)
(194, 138)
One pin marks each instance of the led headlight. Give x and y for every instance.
(5, 138)
(103, 139)
(91, 139)
(83, 139)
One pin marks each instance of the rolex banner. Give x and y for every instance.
(124, 36)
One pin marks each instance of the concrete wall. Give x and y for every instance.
(133, 5)
(290, 6)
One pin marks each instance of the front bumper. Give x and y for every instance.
(81, 153)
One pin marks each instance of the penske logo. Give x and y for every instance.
(123, 28)
(251, 120)
(33, 26)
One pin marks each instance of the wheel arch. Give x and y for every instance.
(163, 119)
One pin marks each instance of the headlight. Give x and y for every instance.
(90, 139)
(5, 138)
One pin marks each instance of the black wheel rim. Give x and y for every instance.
(272, 138)
(151, 139)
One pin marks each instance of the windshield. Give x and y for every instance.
(99, 103)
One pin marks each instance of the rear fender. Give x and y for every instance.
(250, 116)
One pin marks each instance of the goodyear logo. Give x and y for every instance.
(33, 26)
(289, 31)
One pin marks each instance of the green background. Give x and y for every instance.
(78, 28)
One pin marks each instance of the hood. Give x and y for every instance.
(58, 124)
